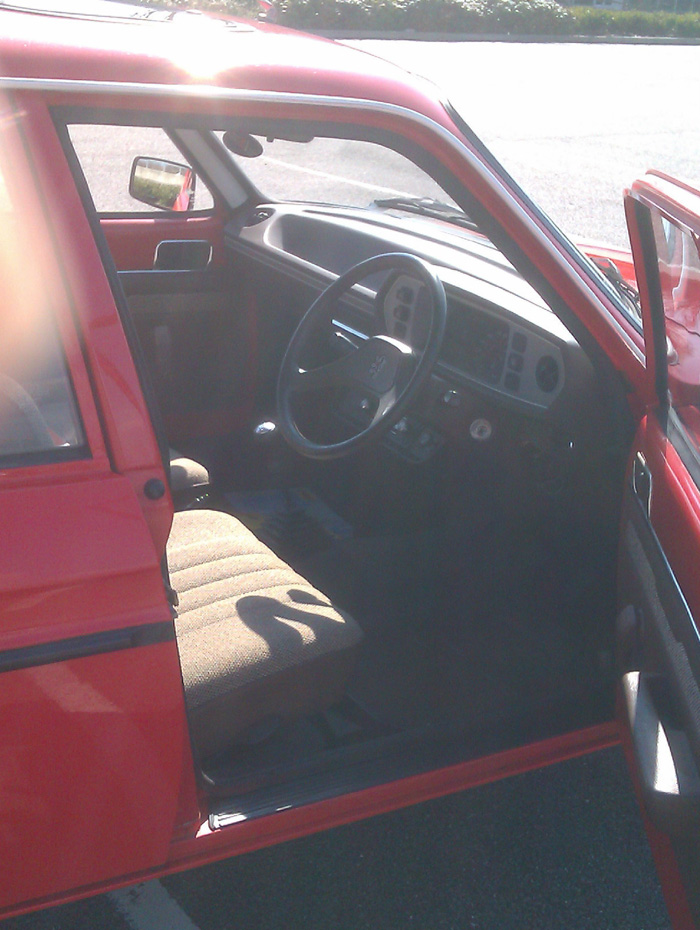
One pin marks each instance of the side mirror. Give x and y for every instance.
(163, 184)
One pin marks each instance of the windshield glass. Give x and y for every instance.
(344, 172)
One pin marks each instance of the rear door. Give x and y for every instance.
(659, 579)
(95, 765)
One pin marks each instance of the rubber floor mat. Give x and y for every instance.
(291, 521)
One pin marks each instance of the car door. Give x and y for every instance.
(659, 576)
(94, 750)
(173, 270)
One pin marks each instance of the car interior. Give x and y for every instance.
(396, 522)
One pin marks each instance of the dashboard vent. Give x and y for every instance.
(547, 374)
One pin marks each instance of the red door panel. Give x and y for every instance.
(658, 630)
(659, 644)
(133, 240)
(89, 748)
(96, 774)
(94, 754)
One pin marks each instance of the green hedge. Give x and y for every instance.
(478, 16)
(514, 17)
(588, 21)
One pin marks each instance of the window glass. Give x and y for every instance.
(678, 260)
(679, 272)
(677, 253)
(39, 419)
(106, 154)
(345, 172)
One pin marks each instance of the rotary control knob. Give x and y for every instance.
(481, 429)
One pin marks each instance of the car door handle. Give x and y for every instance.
(182, 255)
(642, 482)
(667, 770)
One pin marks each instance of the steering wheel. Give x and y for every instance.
(388, 373)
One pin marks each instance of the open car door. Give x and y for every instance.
(659, 578)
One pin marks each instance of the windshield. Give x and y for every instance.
(343, 172)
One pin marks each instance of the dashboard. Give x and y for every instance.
(479, 344)
(507, 361)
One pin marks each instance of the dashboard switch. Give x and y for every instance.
(519, 342)
(452, 398)
(515, 362)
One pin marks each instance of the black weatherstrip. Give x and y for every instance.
(658, 321)
(80, 647)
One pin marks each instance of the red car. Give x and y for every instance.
(434, 515)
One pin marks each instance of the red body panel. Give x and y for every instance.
(669, 493)
(101, 796)
(621, 258)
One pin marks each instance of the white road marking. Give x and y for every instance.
(337, 177)
(148, 906)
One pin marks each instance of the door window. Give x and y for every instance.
(106, 155)
(672, 260)
(679, 280)
(39, 420)
(679, 284)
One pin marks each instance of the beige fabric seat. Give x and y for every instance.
(186, 475)
(256, 640)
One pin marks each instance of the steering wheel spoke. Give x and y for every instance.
(339, 373)
(385, 403)
(386, 371)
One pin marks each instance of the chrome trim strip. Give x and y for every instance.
(312, 101)
(181, 243)
(348, 329)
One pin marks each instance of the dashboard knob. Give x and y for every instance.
(481, 429)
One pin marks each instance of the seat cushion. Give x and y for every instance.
(255, 638)
(186, 474)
